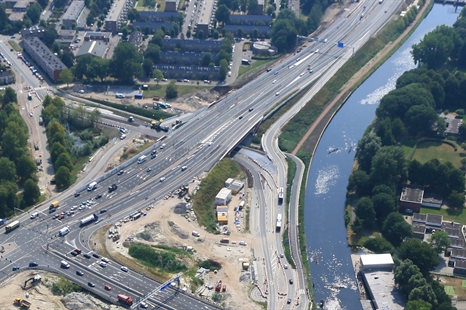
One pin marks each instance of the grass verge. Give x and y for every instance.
(15, 46)
(256, 65)
(203, 202)
(64, 286)
(160, 90)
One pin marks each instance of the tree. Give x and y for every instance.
(389, 166)
(66, 76)
(404, 272)
(418, 305)
(456, 200)
(368, 146)
(148, 67)
(223, 69)
(283, 35)
(415, 174)
(126, 62)
(31, 192)
(424, 293)
(420, 119)
(384, 131)
(81, 66)
(359, 182)
(133, 15)
(25, 167)
(63, 178)
(7, 170)
(63, 160)
(206, 59)
(440, 241)
(384, 204)
(67, 57)
(200, 34)
(188, 34)
(171, 91)
(395, 229)
(9, 96)
(420, 253)
(222, 14)
(252, 6)
(255, 34)
(98, 67)
(14, 140)
(158, 75)
(33, 12)
(153, 52)
(43, 3)
(365, 212)
(239, 32)
(378, 245)
(55, 151)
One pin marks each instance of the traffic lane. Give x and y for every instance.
(19, 65)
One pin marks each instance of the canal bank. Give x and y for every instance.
(329, 255)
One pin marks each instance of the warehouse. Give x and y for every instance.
(223, 197)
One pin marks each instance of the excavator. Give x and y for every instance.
(33, 280)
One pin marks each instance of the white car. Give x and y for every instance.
(285, 266)
(242, 243)
(124, 268)
(162, 179)
(81, 91)
(104, 259)
(102, 264)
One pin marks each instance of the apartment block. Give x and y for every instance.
(72, 13)
(44, 57)
(117, 15)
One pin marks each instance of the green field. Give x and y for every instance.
(449, 290)
(256, 64)
(427, 150)
(160, 90)
(449, 214)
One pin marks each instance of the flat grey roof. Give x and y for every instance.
(432, 198)
(419, 228)
(35, 46)
(21, 4)
(412, 194)
(419, 217)
(206, 12)
(240, 17)
(66, 32)
(115, 10)
(97, 34)
(94, 48)
(247, 28)
(434, 219)
(383, 289)
(74, 10)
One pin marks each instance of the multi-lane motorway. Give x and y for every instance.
(198, 145)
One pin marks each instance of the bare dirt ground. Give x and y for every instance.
(165, 225)
(40, 295)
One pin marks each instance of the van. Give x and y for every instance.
(34, 215)
(225, 240)
(195, 234)
(65, 264)
(33, 264)
(123, 136)
(184, 168)
(92, 186)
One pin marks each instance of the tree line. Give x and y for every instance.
(64, 151)
(410, 112)
(18, 178)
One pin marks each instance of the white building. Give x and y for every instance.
(376, 261)
(223, 197)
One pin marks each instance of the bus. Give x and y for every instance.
(141, 159)
(280, 195)
(11, 226)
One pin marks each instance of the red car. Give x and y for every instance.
(108, 288)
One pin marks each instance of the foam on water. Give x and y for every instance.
(326, 178)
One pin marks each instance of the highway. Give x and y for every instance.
(199, 144)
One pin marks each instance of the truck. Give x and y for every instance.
(279, 222)
(54, 206)
(13, 225)
(92, 186)
(280, 195)
(142, 159)
(64, 231)
(125, 299)
(64, 264)
(89, 219)
(225, 240)
(22, 303)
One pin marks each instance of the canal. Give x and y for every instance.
(329, 255)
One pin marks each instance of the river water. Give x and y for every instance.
(329, 255)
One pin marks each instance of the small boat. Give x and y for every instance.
(350, 149)
(317, 259)
(321, 303)
(332, 150)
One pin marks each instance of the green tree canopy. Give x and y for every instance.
(440, 241)
(365, 212)
(368, 146)
(66, 76)
(172, 91)
(31, 192)
(63, 177)
(395, 229)
(420, 253)
(222, 14)
(126, 62)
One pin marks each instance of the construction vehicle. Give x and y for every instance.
(22, 303)
(33, 280)
(224, 288)
(125, 299)
(218, 287)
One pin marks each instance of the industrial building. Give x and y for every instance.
(72, 13)
(116, 15)
(44, 57)
(234, 185)
(223, 197)
(377, 273)
(93, 48)
(98, 36)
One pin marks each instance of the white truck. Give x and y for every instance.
(92, 186)
(65, 264)
(64, 231)
(279, 222)
(89, 219)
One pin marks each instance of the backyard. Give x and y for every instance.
(448, 214)
(428, 150)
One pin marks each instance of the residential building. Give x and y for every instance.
(262, 31)
(171, 5)
(206, 16)
(223, 197)
(256, 20)
(212, 46)
(21, 6)
(182, 58)
(93, 48)
(153, 26)
(189, 72)
(411, 198)
(67, 34)
(432, 200)
(8, 3)
(71, 15)
(97, 36)
(34, 31)
(452, 124)
(160, 17)
(6, 77)
(44, 57)
(259, 9)
(16, 17)
(116, 15)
